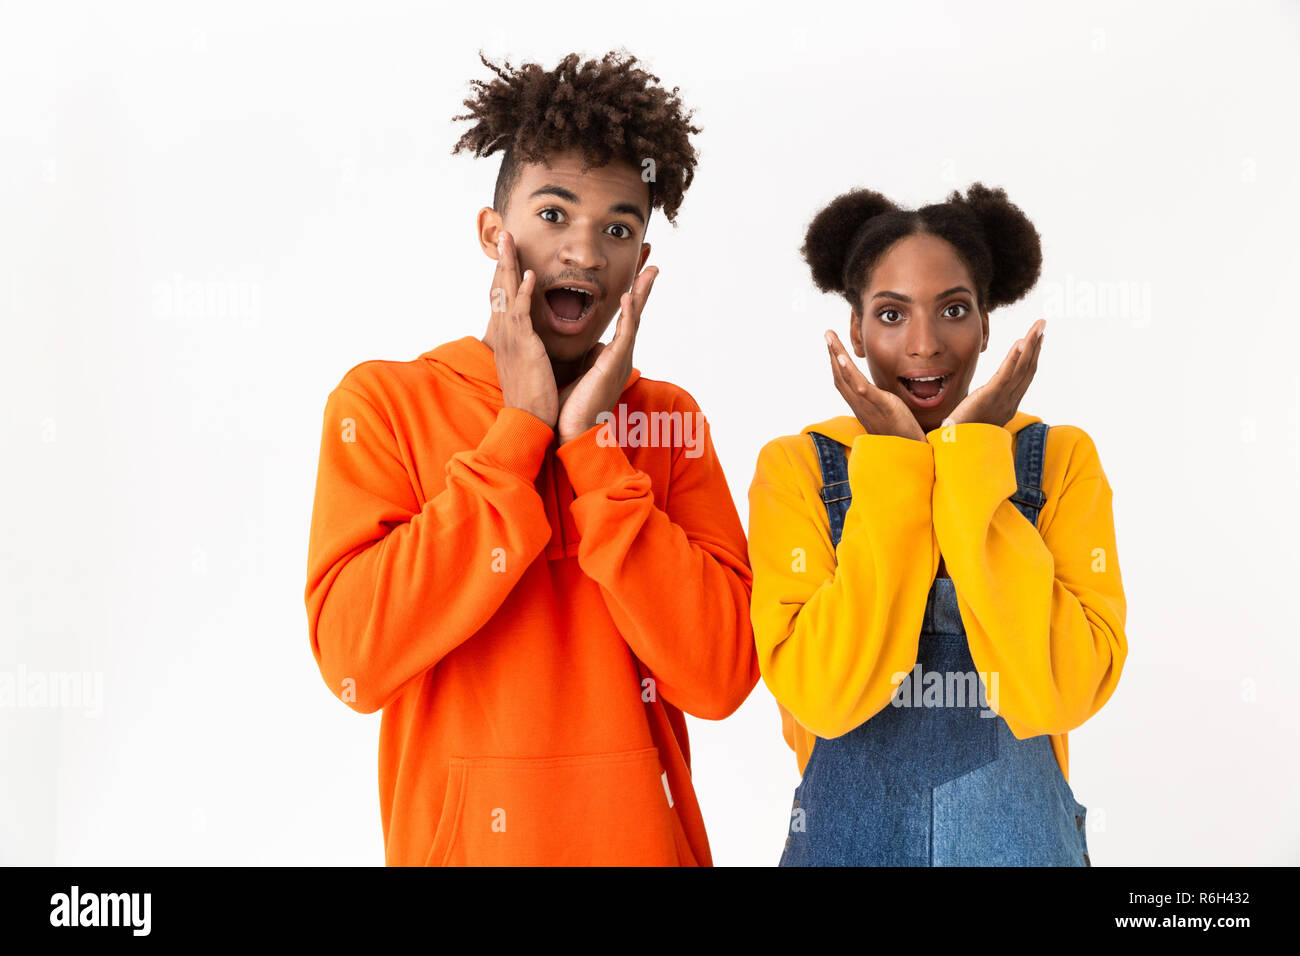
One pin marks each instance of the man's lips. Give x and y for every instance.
(571, 300)
(568, 297)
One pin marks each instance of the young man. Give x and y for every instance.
(532, 592)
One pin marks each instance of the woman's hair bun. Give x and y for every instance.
(828, 243)
(1012, 239)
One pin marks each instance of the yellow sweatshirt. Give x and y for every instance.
(1044, 609)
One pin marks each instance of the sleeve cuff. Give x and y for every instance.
(517, 441)
(593, 461)
(979, 452)
(889, 469)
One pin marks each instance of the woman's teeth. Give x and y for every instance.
(909, 384)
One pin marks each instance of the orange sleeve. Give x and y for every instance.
(676, 581)
(393, 585)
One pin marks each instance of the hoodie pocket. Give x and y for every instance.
(598, 810)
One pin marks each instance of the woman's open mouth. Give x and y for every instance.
(569, 305)
(926, 391)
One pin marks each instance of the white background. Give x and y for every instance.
(292, 162)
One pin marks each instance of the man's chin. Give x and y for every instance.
(567, 351)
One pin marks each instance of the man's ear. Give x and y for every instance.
(855, 333)
(489, 228)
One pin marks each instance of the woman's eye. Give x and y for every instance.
(955, 305)
(548, 213)
(625, 233)
(888, 312)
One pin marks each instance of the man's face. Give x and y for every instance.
(581, 234)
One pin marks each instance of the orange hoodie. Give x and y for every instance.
(533, 621)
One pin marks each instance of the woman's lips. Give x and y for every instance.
(933, 401)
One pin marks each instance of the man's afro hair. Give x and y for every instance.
(607, 109)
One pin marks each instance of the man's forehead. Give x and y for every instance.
(616, 177)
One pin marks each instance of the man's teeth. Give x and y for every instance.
(587, 300)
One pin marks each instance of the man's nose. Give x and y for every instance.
(581, 250)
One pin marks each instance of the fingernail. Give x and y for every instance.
(1020, 346)
(842, 360)
(828, 339)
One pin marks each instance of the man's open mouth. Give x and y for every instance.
(570, 303)
(927, 388)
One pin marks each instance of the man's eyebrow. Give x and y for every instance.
(902, 298)
(629, 209)
(559, 192)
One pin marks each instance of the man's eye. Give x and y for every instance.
(624, 233)
(549, 212)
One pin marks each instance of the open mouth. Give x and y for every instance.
(928, 390)
(570, 303)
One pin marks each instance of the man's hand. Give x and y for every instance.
(878, 411)
(606, 369)
(995, 403)
(523, 367)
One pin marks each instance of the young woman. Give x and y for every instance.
(937, 599)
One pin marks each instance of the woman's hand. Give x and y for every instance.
(878, 411)
(996, 402)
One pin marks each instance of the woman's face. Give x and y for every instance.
(919, 318)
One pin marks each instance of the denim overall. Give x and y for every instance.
(940, 785)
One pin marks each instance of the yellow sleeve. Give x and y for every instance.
(1044, 612)
(837, 630)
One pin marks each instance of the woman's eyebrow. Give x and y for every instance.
(902, 298)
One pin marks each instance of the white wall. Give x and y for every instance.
(295, 159)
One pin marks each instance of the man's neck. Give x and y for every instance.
(565, 372)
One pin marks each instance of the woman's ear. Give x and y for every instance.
(984, 328)
(645, 254)
(855, 334)
(489, 228)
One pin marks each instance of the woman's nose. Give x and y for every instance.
(922, 339)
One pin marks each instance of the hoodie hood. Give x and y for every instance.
(845, 428)
(469, 363)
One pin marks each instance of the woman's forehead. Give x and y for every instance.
(921, 263)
